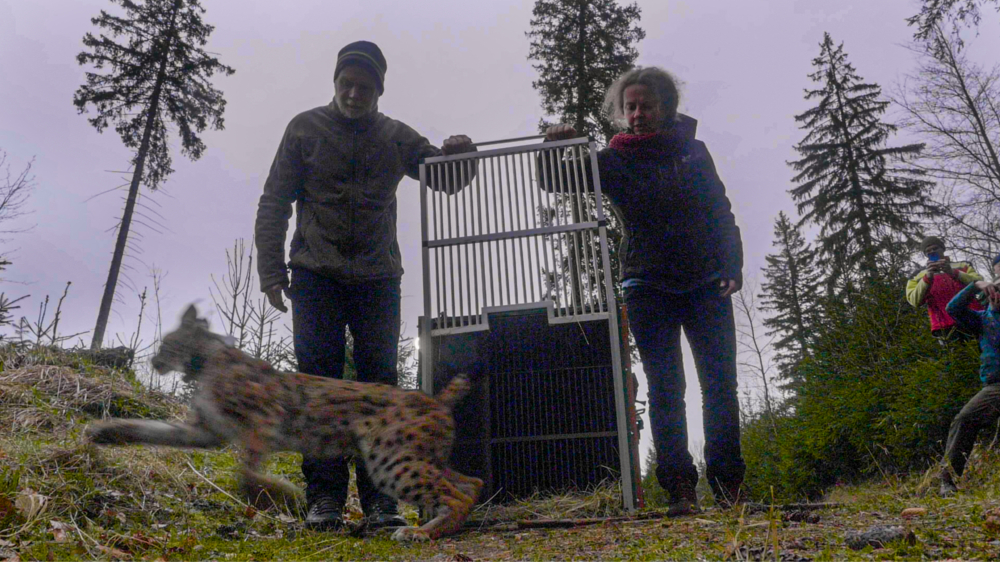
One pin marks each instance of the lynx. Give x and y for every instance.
(403, 437)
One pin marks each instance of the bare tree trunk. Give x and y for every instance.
(133, 193)
(744, 304)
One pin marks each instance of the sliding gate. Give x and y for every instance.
(518, 295)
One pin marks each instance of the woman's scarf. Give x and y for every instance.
(629, 142)
(647, 145)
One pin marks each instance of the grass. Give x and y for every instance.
(63, 499)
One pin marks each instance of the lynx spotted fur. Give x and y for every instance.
(404, 437)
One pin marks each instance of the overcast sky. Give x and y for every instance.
(453, 67)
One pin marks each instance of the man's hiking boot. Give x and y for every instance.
(382, 513)
(325, 514)
(683, 502)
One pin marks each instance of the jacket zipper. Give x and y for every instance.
(351, 203)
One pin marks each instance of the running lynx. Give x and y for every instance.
(404, 437)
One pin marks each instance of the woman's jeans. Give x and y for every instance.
(655, 318)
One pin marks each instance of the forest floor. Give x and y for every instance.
(63, 499)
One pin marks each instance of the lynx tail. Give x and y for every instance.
(452, 393)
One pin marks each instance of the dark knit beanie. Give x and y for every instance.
(929, 241)
(367, 55)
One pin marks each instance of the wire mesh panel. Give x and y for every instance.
(508, 230)
(502, 241)
(541, 414)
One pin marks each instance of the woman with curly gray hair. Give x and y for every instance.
(682, 259)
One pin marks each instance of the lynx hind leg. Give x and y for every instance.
(426, 486)
(471, 486)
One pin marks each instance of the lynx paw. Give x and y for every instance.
(410, 534)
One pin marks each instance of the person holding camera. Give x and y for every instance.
(936, 284)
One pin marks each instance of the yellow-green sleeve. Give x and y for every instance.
(969, 274)
(916, 289)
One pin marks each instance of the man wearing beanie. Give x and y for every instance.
(936, 284)
(340, 165)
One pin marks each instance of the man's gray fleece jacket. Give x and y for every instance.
(342, 175)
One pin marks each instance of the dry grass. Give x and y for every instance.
(600, 501)
(51, 399)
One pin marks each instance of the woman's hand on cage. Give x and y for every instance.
(560, 132)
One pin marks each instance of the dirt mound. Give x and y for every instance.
(48, 398)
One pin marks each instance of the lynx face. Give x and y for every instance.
(180, 348)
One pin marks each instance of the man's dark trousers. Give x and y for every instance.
(980, 413)
(655, 318)
(321, 309)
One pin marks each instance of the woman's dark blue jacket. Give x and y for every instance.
(680, 232)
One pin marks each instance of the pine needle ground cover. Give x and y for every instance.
(62, 499)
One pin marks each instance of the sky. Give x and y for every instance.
(454, 67)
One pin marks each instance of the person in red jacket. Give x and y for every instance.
(937, 283)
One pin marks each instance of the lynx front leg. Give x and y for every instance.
(154, 432)
(265, 491)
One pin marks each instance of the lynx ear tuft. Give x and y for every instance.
(190, 316)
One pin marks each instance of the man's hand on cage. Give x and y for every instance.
(457, 144)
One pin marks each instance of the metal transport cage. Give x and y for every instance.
(518, 295)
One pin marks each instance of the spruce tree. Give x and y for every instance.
(157, 72)
(580, 47)
(791, 294)
(858, 189)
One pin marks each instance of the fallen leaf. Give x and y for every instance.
(914, 512)
(250, 512)
(112, 552)
(59, 530)
(991, 520)
(30, 504)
